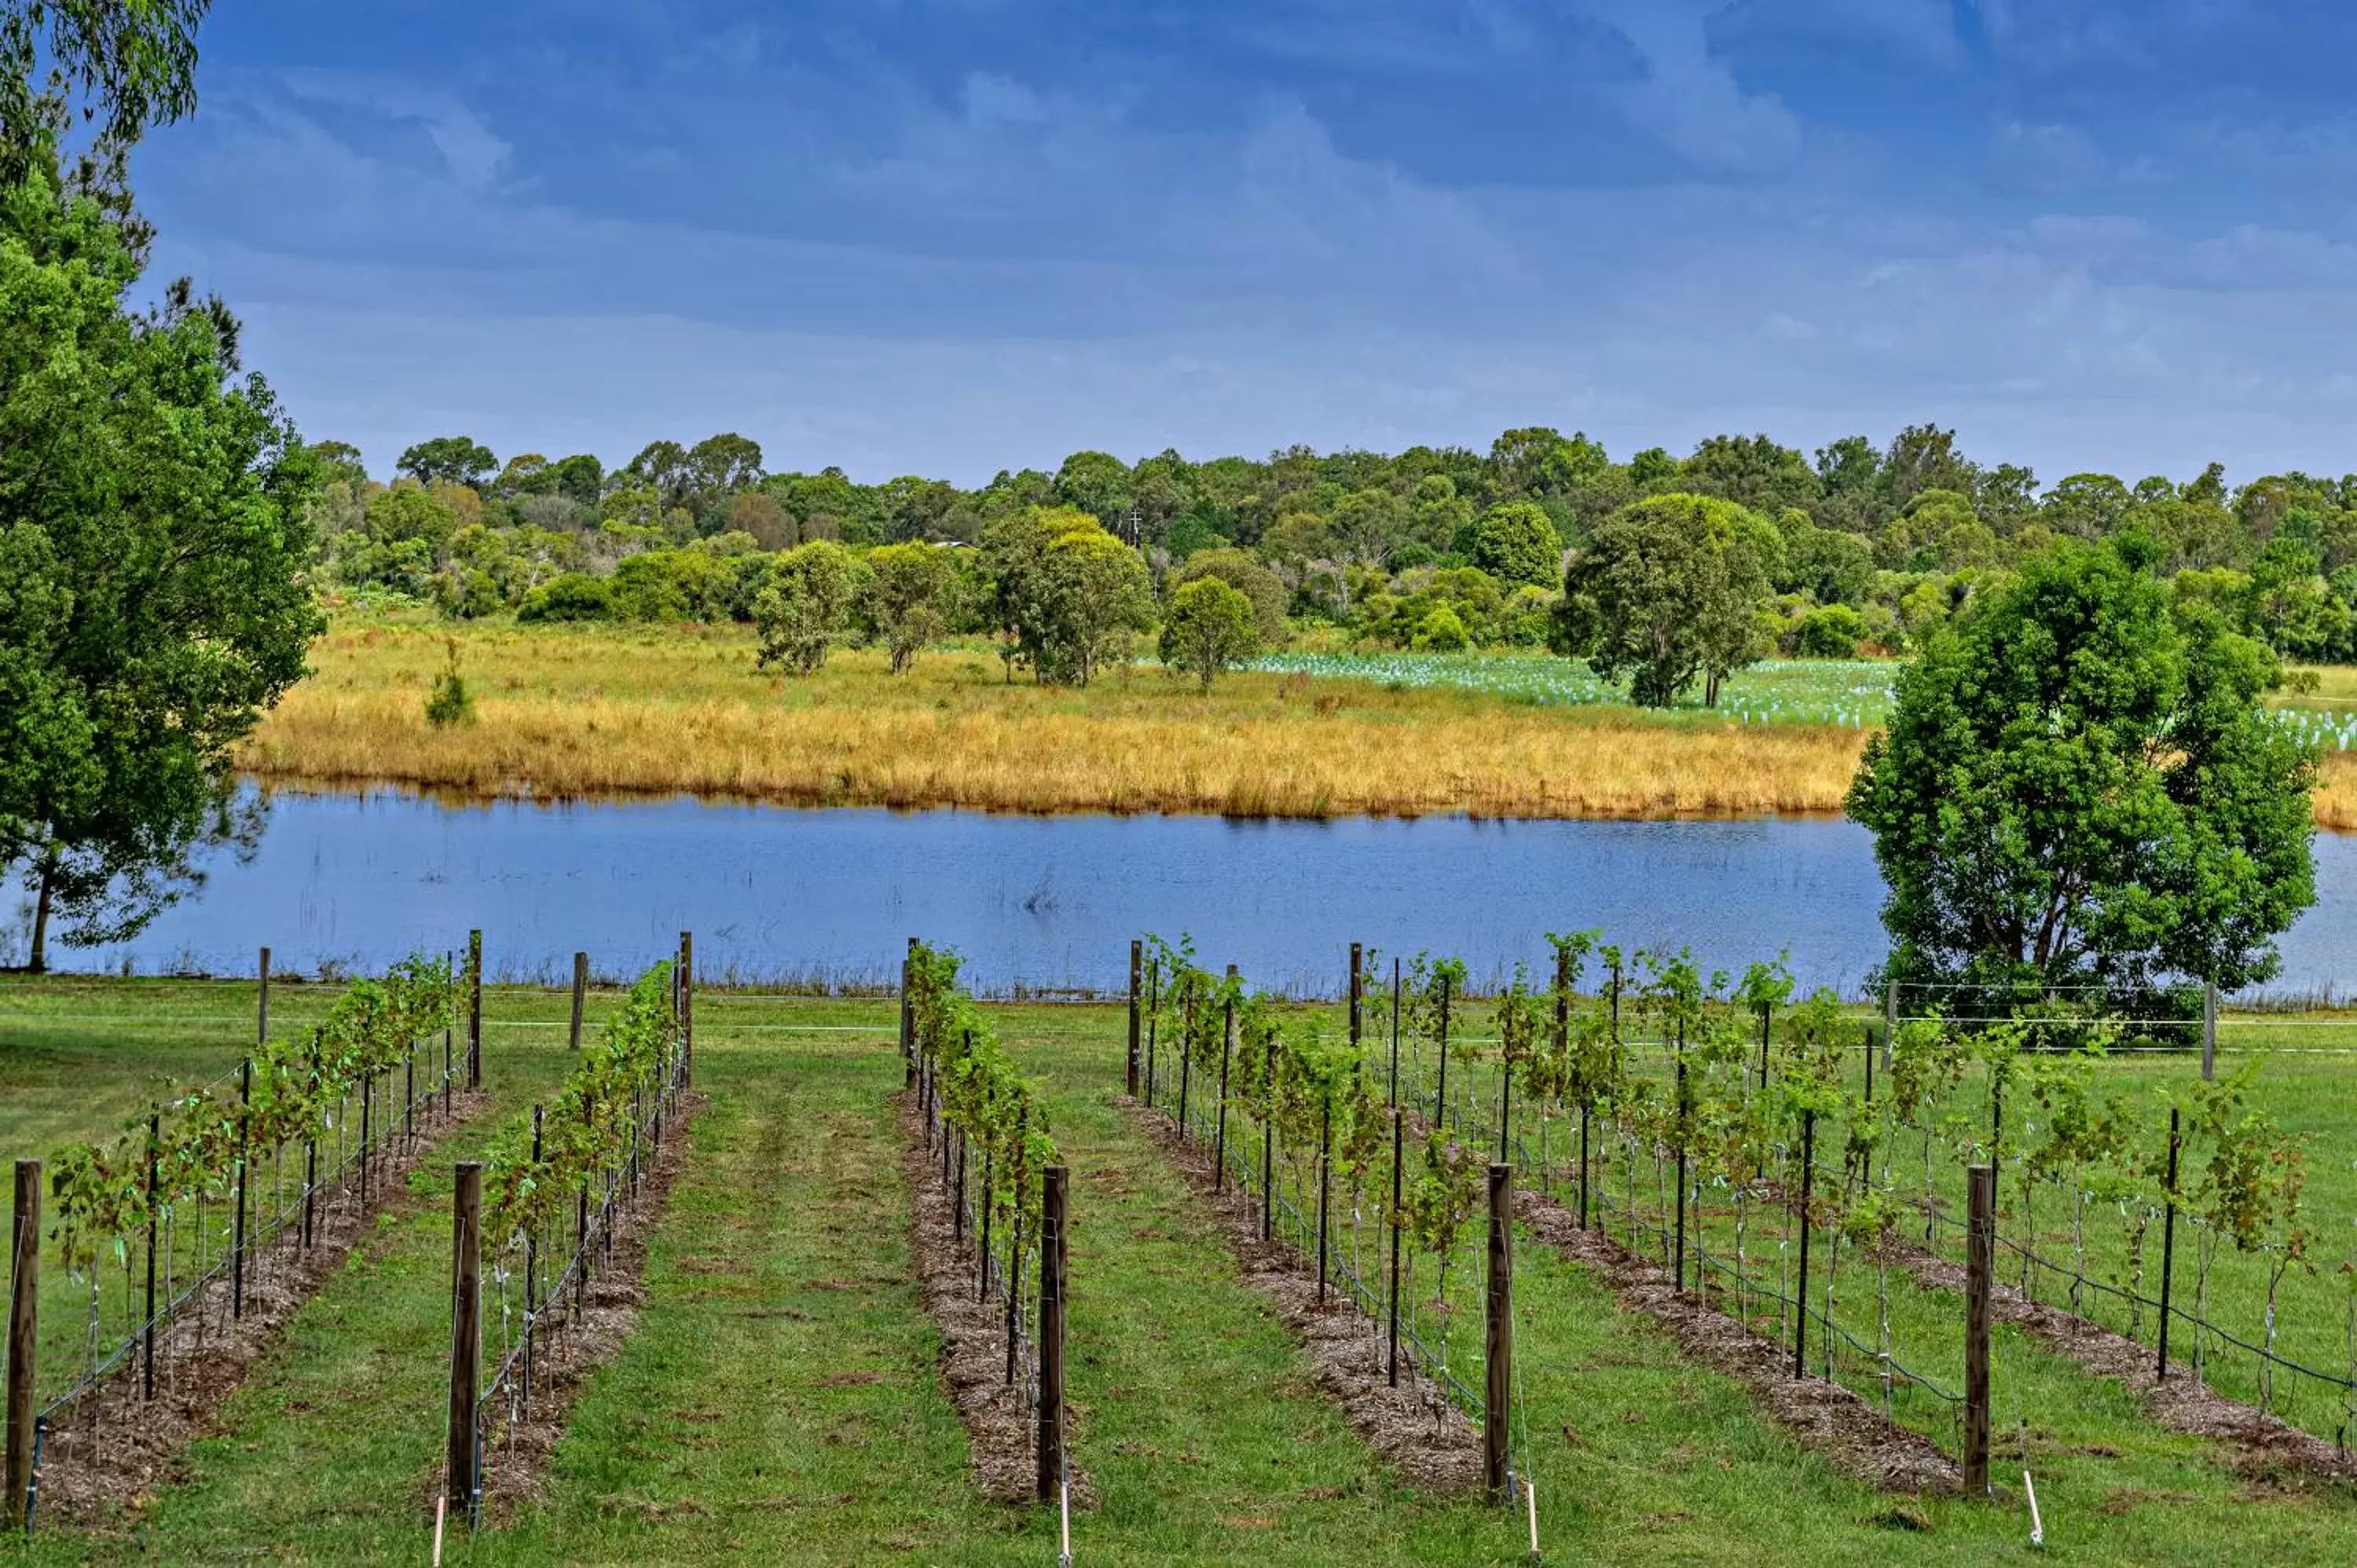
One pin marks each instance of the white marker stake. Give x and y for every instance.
(1064, 1510)
(441, 1507)
(2037, 1530)
(1531, 1492)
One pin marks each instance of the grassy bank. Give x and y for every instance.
(778, 1402)
(571, 712)
(618, 711)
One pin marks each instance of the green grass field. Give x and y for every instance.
(779, 1402)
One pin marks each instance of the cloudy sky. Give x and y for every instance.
(951, 236)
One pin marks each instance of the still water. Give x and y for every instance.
(1041, 902)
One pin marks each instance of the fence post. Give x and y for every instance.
(1440, 1095)
(474, 1009)
(1186, 1057)
(1136, 983)
(908, 1013)
(1767, 1017)
(465, 1332)
(2167, 1243)
(1800, 1295)
(1227, 1050)
(1980, 1259)
(1498, 1411)
(24, 1292)
(262, 1002)
(1358, 993)
(1153, 1025)
(1052, 1255)
(1398, 1121)
(687, 1008)
(1325, 1163)
(2209, 1032)
(245, 1140)
(580, 994)
(1679, 1127)
(147, 1355)
(1586, 1115)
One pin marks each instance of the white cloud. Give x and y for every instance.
(1691, 100)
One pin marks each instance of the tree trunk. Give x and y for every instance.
(38, 963)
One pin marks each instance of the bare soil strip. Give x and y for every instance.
(1824, 1416)
(515, 1461)
(2184, 1404)
(109, 1452)
(1418, 1434)
(1001, 1435)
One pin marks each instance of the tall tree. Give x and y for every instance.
(129, 64)
(2080, 786)
(449, 460)
(906, 598)
(1670, 591)
(1208, 630)
(153, 531)
(806, 609)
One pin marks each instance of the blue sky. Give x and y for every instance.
(949, 236)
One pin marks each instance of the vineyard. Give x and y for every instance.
(1213, 1278)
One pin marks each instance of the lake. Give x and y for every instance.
(777, 893)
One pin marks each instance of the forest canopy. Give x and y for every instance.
(1859, 547)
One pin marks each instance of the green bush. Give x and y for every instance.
(575, 596)
(1829, 631)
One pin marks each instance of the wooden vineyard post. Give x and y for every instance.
(1325, 1164)
(1153, 1023)
(237, 1242)
(1801, 1293)
(2167, 1244)
(1187, 1058)
(908, 1012)
(1980, 1260)
(580, 994)
(465, 1332)
(1137, 982)
(1391, 1357)
(1498, 1399)
(1227, 1050)
(474, 1009)
(24, 1292)
(1053, 1257)
(687, 1008)
(147, 1335)
(1586, 1114)
(1681, 1132)
(1767, 1013)
(1440, 1097)
(262, 1001)
(531, 1274)
(1358, 994)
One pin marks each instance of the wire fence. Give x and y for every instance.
(133, 1320)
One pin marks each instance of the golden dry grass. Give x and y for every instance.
(565, 712)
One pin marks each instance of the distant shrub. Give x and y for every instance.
(1829, 631)
(450, 702)
(575, 596)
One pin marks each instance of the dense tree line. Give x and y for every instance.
(1681, 569)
